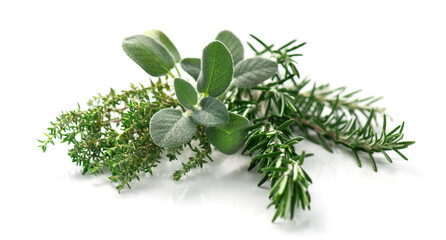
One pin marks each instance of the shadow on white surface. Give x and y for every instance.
(226, 187)
(224, 182)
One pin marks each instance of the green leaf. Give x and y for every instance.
(234, 45)
(169, 128)
(253, 71)
(186, 93)
(216, 69)
(165, 41)
(230, 137)
(192, 66)
(149, 54)
(211, 113)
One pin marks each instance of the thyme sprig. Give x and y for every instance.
(113, 134)
(260, 105)
(202, 154)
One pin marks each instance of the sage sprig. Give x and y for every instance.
(214, 72)
(258, 104)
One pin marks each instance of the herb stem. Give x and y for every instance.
(179, 74)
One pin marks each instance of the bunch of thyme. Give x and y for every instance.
(258, 104)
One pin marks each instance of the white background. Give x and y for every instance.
(54, 54)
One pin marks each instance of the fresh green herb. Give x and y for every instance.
(258, 104)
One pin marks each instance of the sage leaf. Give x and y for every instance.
(252, 71)
(165, 41)
(230, 137)
(192, 66)
(149, 54)
(216, 69)
(185, 93)
(169, 128)
(211, 113)
(234, 45)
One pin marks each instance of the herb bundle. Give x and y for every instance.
(257, 106)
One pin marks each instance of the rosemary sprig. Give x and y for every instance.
(272, 146)
(328, 116)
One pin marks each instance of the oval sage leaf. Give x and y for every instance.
(211, 113)
(234, 45)
(185, 93)
(230, 137)
(253, 71)
(169, 128)
(192, 66)
(165, 41)
(216, 69)
(149, 54)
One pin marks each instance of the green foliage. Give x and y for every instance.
(186, 93)
(234, 45)
(211, 113)
(323, 115)
(192, 66)
(215, 78)
(253, 71)
(169, 128)
(272, 146)
(112, 134)
(165, 41)
(262, 106)
(149, 54)
(216, 70)
(202, 154)
(230, 137)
